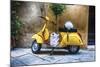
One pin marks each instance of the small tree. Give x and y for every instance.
(57, 10)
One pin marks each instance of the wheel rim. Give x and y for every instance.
(73, 48)
(35, 46)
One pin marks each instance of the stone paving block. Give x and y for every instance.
(67, 60)
(20, 51)
(53, 59)
(16, 63)
(30, 59)
(81, 57)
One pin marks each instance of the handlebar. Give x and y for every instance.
(47, 19)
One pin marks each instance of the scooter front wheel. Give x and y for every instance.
(35, 47)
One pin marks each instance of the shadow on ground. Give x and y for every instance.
(57, 53)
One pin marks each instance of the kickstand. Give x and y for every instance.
(52, 51)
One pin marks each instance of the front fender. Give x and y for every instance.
(37, 38)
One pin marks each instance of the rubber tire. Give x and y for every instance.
(38, 47)
(71, 51)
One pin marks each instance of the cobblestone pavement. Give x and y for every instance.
(25, 57)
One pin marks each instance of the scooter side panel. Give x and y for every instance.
(70, 39)
(74, 39)
(63, 39)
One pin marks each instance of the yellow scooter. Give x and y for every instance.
(67, 39)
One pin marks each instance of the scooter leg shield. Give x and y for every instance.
(37, 38)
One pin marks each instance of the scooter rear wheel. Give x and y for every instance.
(73, 49)
(35, 47)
